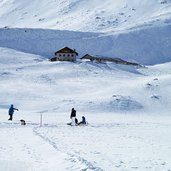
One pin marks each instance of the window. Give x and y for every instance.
(63, 55)
(68, 55)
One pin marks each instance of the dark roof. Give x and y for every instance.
(108, 59)
(87, 56)
(53, 59)
(66, 50)
(98, 57)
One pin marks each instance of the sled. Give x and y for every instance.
(78, 124)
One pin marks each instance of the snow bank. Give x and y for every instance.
(124, 103)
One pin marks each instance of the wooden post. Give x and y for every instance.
(41, 120)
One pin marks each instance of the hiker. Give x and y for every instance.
(73, 116)
(11, 112)
(83, 120)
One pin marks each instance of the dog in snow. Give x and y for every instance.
(23, 122)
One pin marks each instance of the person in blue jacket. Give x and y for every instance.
(11, 112)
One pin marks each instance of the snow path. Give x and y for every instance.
(74, 158)
(111, 142)
(26, 151)
(114, 146)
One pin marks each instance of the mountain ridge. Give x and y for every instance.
(80, 15)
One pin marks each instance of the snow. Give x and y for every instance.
(128, 129)
(134, 30)
(24, 152)
(132, 46)
(33, 74)
(110, 142)
(116, 145)
(127, 107)
(84, 15)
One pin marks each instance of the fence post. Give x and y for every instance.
(41, 120)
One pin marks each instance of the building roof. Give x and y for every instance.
(108, 59)
(66, 50)
(96, 57)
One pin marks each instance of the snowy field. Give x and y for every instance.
(111, 142)
(128, 110)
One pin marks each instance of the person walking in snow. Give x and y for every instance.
(73, 116)
(11, 112)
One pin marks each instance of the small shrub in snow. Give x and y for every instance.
(163, 1)
(121, 13)
(148, 85)
(98, 18)
(41, 19)
(155, 97)
(6, 27)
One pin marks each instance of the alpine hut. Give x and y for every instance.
(65, 54)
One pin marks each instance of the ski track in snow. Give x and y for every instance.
(75, 159)
(31, 152)
(123, 145)
(118, 163)
(21, 150)
(54, 134)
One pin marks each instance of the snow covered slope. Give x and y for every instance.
(142, 46)
(32, 82)
(128, 111)
(84, 15)
(135, 30)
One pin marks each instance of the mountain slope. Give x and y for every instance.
(148, 46)
(134, 30)
(84, 15)
(36, 84)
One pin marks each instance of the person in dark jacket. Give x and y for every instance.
(11, 112)
(73, 113)
(73, 116)
(83, 120)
